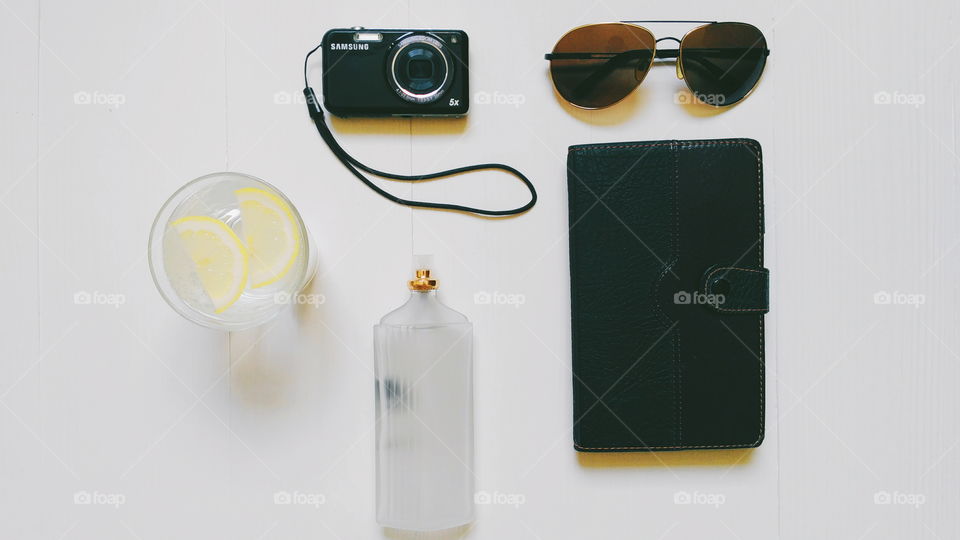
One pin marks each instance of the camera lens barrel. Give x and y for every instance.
(419, 68)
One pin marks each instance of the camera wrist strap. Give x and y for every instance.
(351, 163)
(354, 166)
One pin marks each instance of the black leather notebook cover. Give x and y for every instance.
(668, 292)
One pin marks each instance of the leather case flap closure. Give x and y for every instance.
(733, 289)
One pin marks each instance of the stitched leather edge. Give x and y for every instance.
(657, 308)
(677, 368)
(675, 343)
(752, 145)
(572, 208)
(683, 447)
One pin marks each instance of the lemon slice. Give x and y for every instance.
(271, 233)
(219, 258)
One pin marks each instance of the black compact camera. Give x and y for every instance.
(395, 72)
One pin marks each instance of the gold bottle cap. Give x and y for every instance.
(423, 282)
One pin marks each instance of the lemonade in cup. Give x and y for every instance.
(230, 251)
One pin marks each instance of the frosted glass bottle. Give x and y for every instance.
(424, 404)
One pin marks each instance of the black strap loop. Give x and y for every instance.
(351, 163)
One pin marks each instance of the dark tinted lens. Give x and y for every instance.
(598, 65)
(722, 62)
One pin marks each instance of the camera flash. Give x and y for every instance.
(367, 36)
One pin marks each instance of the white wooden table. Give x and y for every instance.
(170, 430)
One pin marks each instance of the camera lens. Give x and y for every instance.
(419, 68)
(420, 71)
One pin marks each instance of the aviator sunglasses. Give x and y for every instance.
(597, 65)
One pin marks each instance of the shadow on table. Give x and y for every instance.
(445, 534)
(687, 458)
(398, 126)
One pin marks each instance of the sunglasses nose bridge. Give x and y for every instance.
(678, 42)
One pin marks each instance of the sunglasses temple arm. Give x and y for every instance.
(703, 60)
(661, 53)
(618, 60)
(605, 69)
(614, 62)
(706, 52)
(666, 54)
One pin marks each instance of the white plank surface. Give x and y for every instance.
(195, 431)
(22, 453)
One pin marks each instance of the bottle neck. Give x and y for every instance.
(423, 295)
(424, 300)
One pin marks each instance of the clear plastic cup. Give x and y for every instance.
(268, 262)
